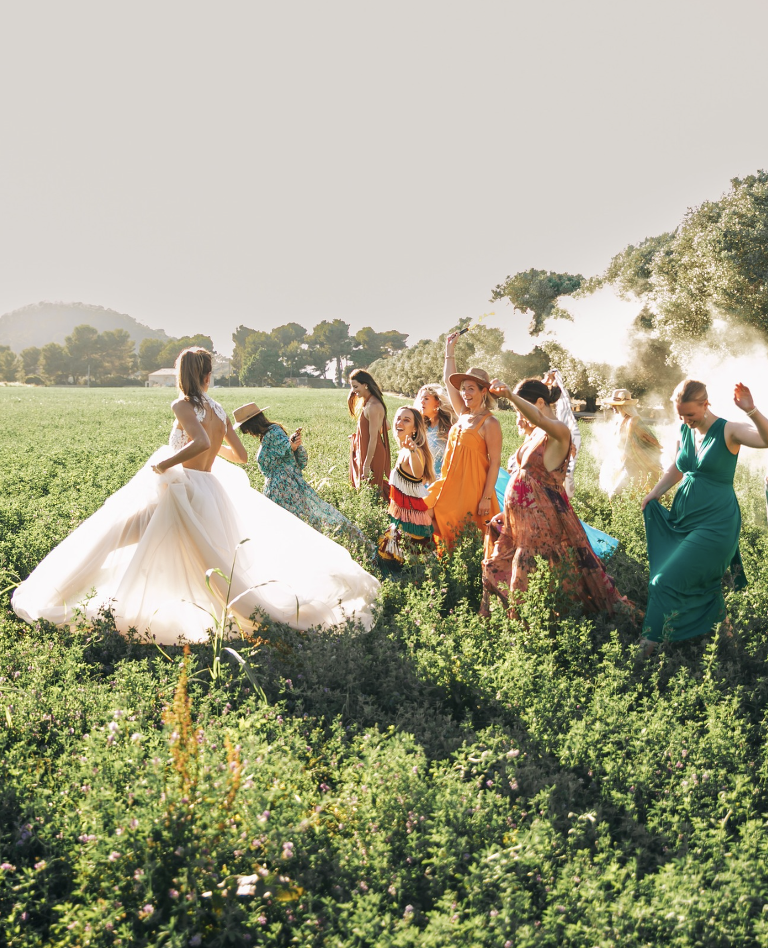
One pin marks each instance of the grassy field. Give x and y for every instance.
(437, 781)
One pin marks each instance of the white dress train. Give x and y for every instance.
(146, 551)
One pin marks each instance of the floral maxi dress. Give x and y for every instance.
(285, 485)
(539, 521)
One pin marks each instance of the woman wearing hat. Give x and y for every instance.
(465, 492)
(636, 457)
(538, 520)
(281, 460)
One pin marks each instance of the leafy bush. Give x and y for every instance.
(440, 779)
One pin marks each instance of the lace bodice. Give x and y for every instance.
(179, 437)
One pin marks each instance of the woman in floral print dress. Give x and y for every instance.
(538, 519)
(281, 460)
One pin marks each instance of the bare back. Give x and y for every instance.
(207, 421)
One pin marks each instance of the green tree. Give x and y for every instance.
(290, 332)
(631, 271)
(370, 345)
(84, 352)
(9, 364)
(118, 353)
(239, 337)
(536, 292)
(55, 363)
(30, 361)
(172, 349)
(262, 366)
(331, 342)
(149, 354)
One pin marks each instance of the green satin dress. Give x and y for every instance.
(691, 546)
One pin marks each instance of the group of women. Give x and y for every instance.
(188, 539)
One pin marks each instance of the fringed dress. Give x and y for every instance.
(410, 525)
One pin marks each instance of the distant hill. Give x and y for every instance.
(39, 323)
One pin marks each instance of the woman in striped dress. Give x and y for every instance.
(410, 523)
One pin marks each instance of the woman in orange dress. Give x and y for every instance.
(465, 493)
(369, 460)
(538, 519)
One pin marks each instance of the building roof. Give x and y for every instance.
(162, 372)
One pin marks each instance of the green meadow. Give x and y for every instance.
(439, 780)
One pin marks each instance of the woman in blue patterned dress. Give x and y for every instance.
(281, 460)
(434, 406)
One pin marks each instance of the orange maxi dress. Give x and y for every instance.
(382, 459)
(455, 496)
(539, 521)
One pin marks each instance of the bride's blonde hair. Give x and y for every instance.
(192, 366)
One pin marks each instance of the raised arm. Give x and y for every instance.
(557, 430)
(232, 448)
(449, 368)
(199, 441)
(742, 432)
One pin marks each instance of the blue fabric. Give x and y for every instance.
(602, 545)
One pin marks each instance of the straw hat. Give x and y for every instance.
(478, 376)
(621, 396)
(244, 412)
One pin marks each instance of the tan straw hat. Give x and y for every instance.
(244, 412)
(479, 376)
(621, 396)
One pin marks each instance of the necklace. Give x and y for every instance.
(472, 417)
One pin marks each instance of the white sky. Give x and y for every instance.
(201, 165)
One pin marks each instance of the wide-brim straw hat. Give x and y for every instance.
(621, 396)
(479, 376)
(244, 412)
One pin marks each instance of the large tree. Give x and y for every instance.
(714, 264)
(55, 363)
(330, 340)
(84, 352)
(370, 345)
(149, 354)
(118, 353)
(171, 350)
(30, 361)
(536, 292)
(9, 364)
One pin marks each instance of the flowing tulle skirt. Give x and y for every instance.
(146, 553)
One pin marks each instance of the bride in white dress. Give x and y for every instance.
(145, 553)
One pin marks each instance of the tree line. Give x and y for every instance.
(259, 358)
(100, 358)
(268, 358)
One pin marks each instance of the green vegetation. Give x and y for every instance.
(268, 358)
(436, 781)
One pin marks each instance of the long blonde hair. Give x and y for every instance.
(419, 438)
(192, 366)
(446, 416)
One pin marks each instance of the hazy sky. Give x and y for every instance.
(201, 165)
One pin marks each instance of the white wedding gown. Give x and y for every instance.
(145, 554)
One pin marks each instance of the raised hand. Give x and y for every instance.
(742, 397)
(500, 389)
(450, 342)
(409, 443)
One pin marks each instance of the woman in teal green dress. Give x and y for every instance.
(691, 546)
(281, 460)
